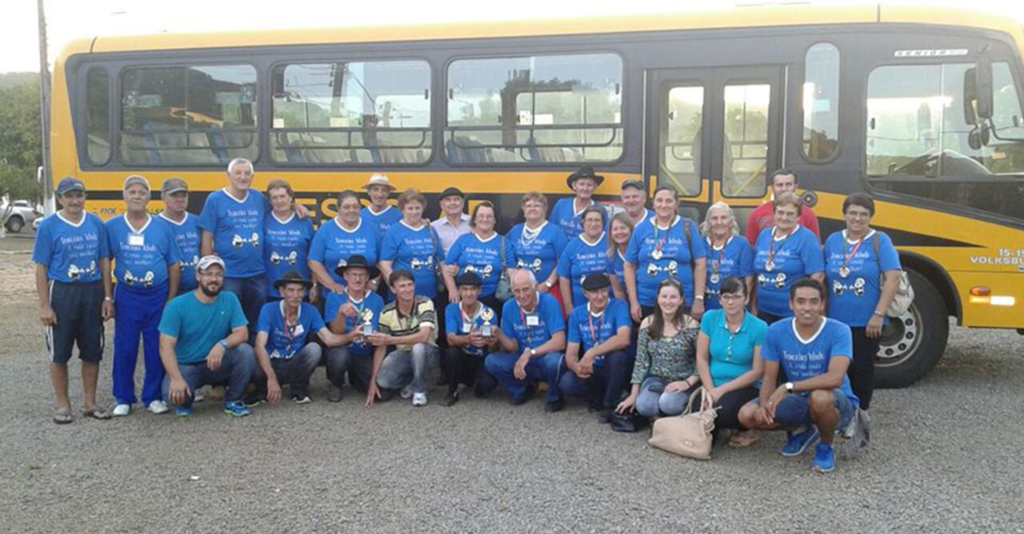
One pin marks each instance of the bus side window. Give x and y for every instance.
(188, 116)
(821, 103)
(542, 110)
(97, 116)
(352, 113)
(918, 139)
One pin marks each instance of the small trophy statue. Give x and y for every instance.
(485, 329)
(367, 322)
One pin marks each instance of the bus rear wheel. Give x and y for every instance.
(913, 343)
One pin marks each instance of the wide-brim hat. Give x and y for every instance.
(379, 179)
(292, 277)
(584, 172)
(357, 261)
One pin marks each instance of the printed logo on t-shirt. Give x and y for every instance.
(533, 266)
(238, 241)
(672, 268)
(75, 272)
(767, 280)
(857, 287)
(290, 259)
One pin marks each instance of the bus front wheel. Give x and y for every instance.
(913, 343)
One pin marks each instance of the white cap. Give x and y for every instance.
(207, 261)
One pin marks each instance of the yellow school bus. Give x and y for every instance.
(920, 108)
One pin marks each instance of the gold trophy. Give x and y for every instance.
(367, 317)
(487, 314)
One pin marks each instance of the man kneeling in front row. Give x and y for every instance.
(282, 353)
(202, 342)
(815, 352)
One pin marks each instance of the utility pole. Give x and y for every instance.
(46, 173)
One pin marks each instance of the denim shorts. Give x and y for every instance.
(795, 410)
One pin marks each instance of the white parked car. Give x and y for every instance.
(21, 213)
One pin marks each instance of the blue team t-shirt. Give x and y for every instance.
(589, 330)
(71, 252)
(187, 237)
(797, 256)
(580, 258)
(197, 327)
(732, 355)
(476, 255)
(369, 307)
(853, 298)
(461, 323)
(802, 359)
(284, 341)
(618, 268)
(382, 221)
(416, 251)
(237, 228)
(534, 329)
(333, 245)
(538, 250)
(141, 258)
(674, 260)
(735, 259)
(287, 248)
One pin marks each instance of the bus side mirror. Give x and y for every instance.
(983, 85)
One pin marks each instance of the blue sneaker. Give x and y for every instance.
(237, 409)
(798, 443)
(182, 411)
(824, 459)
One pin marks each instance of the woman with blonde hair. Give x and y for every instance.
(727, 256)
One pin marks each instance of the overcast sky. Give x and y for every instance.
(71, 19)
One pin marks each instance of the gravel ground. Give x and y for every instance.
(942, 460)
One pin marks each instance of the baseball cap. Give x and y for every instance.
(451, 192)
(208, 261)
(636, 184)
(135, 179)
(173, 185)
(69, 184)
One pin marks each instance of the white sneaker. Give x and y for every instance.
(419, 399)
(302, 400)
(122, 410)
(158, 407)
(197, 395)
(407, 391)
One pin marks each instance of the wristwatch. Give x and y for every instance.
(788, 386)
(533, 353)
(224, 343)
(108, 299)
(699, 297)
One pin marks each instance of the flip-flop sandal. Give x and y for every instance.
(97, 413)
(62, 417)
(739, 442)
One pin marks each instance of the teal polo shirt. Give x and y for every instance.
(732, 354)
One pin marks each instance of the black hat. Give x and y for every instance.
(291, 277)
(451, 192)
(635, 184)
(468, 279)
(584, 172)
(596, 282)
(359, 261)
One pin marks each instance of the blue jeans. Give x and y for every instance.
(252, 295)
(795, 410)
(235, 371)
(294, 371)
(359, 366)
(603, 389)
(502, 365)
(652, 401)
(138, 315)
(407, 367)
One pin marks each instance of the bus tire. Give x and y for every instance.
(913, 343)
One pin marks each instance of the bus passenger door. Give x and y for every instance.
(714, 134)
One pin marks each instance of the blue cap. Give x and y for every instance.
(69, 184)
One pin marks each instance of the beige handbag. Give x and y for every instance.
(688, 435)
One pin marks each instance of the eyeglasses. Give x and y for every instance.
(730, 298)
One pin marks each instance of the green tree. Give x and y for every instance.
(19, 138)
